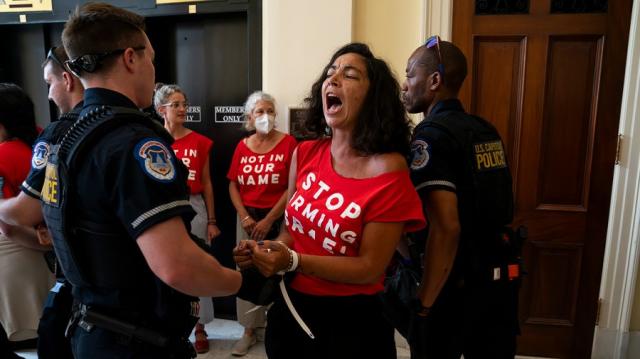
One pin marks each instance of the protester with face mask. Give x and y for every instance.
(258, 180)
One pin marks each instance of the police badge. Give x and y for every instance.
(155, 159)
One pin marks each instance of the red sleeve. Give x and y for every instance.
(306, 150)
(291, 147)
(207, 143)
(398, 202)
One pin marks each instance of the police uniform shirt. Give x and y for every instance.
(131, 175)
(434, 154)
(32, 185)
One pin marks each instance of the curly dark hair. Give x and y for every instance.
(17, 114)
(382, 124)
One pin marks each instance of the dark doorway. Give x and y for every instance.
(208, 56)
(214, 55)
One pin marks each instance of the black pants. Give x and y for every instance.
(477, 321)
(259, 213)
(55, 317)
(344, 327)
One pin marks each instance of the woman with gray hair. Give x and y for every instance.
(193, 150)
(258, 180)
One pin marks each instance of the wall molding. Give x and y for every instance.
(439, 18)
(620, 266)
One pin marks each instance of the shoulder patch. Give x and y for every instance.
(155, 160)
(40, 155)
(420, 154)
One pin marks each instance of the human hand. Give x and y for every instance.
(242, 253)
(270, 257)
(248, 224)
(212, 232)
(261, 229)
(44, 237)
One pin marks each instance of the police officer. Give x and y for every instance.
(116, 203)
(66, 91)
(468, 294)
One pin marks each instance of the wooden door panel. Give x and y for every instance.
(571, 97)
(551, 83)
(498, 86)
(560, 263)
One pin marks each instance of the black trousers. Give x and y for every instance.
(259, 213)
(53, 323)
(344, 327)
(477, 321)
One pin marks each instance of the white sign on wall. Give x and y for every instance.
(193, 114)
(229, 114)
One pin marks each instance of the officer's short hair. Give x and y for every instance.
(163, 92)
(58, 63)
(98, 28)
(453, 60)
(250, 105)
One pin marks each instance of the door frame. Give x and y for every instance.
(622, 248)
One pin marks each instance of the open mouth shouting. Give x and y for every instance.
(332, 103)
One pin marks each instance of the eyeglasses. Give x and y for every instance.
(434, 42)
(177, 104)
(52, 56)
(91, 62)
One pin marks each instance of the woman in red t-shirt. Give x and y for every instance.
(350, 200)
(258, 180)
(193, 150)
(24, 277)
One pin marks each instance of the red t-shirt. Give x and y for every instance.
(15, 162)
(327, 214)
(262, 178)
(193, 149)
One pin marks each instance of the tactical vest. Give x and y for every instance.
(87, 250)
(484, 192)
(62, 124)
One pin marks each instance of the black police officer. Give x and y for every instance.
(116, 203)
(467, 298)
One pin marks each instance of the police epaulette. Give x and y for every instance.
(95, 123)
(75, 132)
(72, 115)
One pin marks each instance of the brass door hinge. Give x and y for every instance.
(618, 146)
(598, 311)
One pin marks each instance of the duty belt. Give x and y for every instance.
(87, 318)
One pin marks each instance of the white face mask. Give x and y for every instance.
(265, 123)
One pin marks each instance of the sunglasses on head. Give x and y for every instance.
(52, 56)
(434, 43)
(91, 62)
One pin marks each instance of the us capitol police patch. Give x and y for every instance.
(155, 160)
(419, 154)
(40, 155)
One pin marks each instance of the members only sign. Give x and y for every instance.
(229, 114)
(193, 114)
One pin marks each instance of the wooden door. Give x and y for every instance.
(549, 75)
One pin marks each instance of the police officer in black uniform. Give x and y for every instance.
(467, 299)
(116, 203)
(66, 91)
